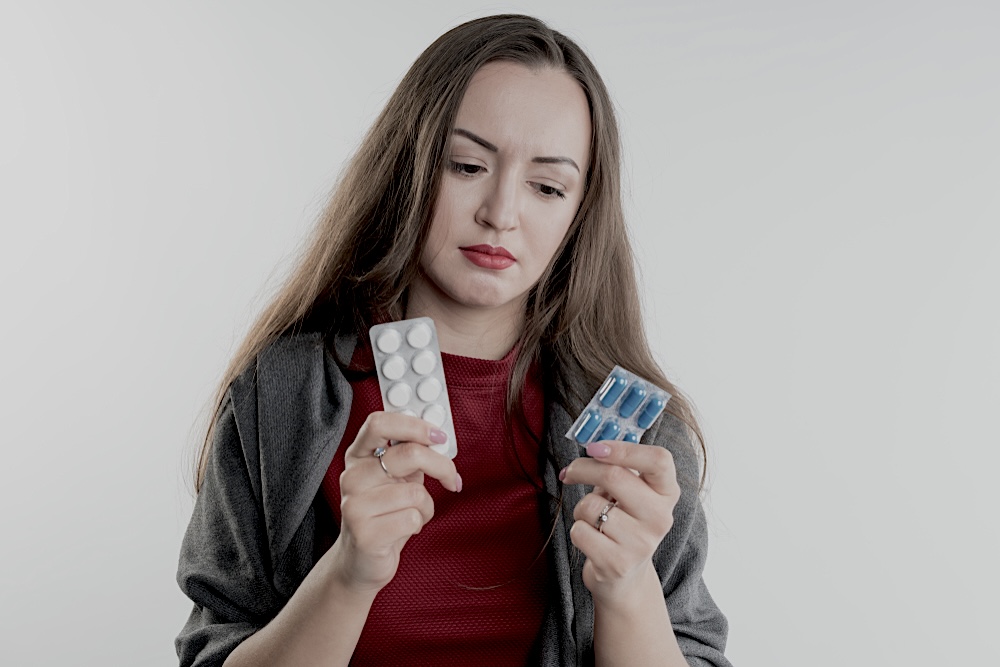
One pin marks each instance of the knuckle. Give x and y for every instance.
(404, 453)
(590, 506)
(415, 494)
(347, 483)
(616, 475)
(414, 519)
(578, 531)
(374, 423)
(347, 507)
(368, 424)
(662, 457)
(650, 543)
(664, 522)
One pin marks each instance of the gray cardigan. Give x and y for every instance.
(252, 538)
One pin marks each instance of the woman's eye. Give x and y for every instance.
(549, 191)
(466, 169)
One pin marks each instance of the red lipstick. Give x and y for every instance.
(488, 257)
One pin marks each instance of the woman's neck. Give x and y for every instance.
(469, 332)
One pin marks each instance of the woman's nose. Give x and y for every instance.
(499, 208)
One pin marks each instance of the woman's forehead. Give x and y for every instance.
(541, 111)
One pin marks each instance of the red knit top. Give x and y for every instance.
(471, 586)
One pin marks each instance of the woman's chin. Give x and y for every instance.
(469, 292)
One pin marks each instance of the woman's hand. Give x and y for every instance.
(619, 557)
(381, 509)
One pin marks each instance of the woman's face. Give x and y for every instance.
(514, 179)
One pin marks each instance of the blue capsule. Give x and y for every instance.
(652, 410)
(631, 437)
(609, 432)
(588, 426)
(612, 389)
(631, 401)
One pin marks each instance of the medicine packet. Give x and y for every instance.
(411, 376)
(622, 409)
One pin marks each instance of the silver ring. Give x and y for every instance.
(379, 453)
(603, 518)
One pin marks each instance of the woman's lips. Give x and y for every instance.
(488, 257)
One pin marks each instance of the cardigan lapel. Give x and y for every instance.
(574, 608)
(303, 406)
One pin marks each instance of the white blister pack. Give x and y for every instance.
(410, 374)
(622, 409)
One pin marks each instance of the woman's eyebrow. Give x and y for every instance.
(493, 149)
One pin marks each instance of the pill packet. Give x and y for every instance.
(623, 408)
(411, 376)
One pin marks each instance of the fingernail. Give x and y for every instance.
(438, 437)
(458, 483)
(598, 450)
(562, 474)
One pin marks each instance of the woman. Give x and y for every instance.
(486, 196)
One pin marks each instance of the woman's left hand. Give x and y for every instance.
(621, 554)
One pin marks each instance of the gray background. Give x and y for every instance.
(813, 195)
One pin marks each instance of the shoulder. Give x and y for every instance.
(294, 368)
(291, 400)
(290, 358)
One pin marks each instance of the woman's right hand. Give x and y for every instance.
(379, 513)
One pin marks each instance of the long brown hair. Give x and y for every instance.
(582, 317)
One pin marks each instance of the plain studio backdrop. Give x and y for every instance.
(812, 189)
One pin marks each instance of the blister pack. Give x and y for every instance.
(410, 374)
(622, 409)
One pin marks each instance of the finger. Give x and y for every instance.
(651, 512)
(360, 508)
(381, 427)
(631, 492)
(599, 549)
(654, 464)
(590, 506)
(409, 458)
(389, 529)
(634, 494)
(619, 526)
(416, 436)
(361, 475)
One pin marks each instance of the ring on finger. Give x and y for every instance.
(379, 453)
(603, 517)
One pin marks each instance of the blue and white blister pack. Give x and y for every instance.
(622, 409)
(410, 374)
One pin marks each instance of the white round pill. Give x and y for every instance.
(394, 367)
(419, 335)
(424, 362)
(398, 394)
(429, 389)
(434, 414)
(389, 340)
